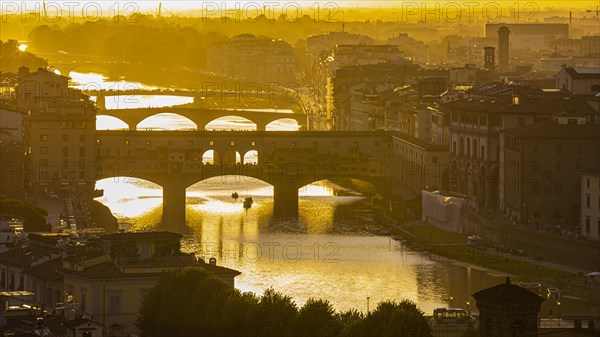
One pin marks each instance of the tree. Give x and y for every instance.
(277, 314)
(317, 318)
(34, 218)
(103, 217)
(349, 321)
(188, 302)
(390, 318)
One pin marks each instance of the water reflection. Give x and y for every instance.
(307, 258)
(95, 81)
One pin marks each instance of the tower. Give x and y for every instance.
(489, 58)
(503, 34)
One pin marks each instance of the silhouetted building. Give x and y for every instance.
(475, 127)
(255, 58)
(503, 48)
(540, 165)
(36, 90)
(489, 58)
(417, 50)
(508, 310)
(533, 36)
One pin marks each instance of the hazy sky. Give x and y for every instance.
(151, 5)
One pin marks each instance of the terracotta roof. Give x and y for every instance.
(583, 72)
(552, 129)
(507, 292)
(548, 103)
(419, 142)
(46, 271)
(109, 270)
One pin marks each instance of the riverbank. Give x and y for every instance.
(537, 275)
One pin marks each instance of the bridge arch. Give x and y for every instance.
(210, 157)
(231, 122)
(283, 124)
(160, 120)
(251, 157)
(107, 122)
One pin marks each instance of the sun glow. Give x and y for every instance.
(23, 47)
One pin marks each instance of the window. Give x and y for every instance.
(65, 151)
(65, 138)
(587, 225)
(232, 143)
(211, 143)
(82, 138)
(587, 182)
(43, 150)
(148, 143)
(252, 143)
(114, 302)
(126, 141)
(43, 138)
(587, 201)
(82, 151)
(190, 143)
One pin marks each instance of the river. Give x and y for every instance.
(329, 253)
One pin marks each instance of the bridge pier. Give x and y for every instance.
(285, 199)
(173, 216)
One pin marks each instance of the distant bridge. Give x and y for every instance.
(286, 160)
(201, 117)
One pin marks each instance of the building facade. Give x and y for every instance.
(475, 126)
(590, 203)
(579, 80)
(540, 165)
(253, 58)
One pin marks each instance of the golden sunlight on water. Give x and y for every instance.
(94, 81)
(326, 253)
(308, 258)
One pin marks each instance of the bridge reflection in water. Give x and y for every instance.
(285, 160)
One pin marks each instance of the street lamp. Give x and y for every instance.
(451, 298)
(558, 316)
(468, 308)
(368, 298)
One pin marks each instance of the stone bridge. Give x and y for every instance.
(202, 116)
(286, 160)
